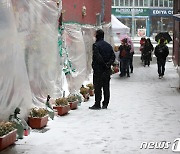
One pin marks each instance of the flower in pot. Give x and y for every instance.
(6, 127)
(38, 112)
(7, 134)
(90, 86)
(62, 106)
(85, 92)
(91, 89)
(61, 101)
(38, 118)
(73, 101)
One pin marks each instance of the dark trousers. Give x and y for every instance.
(161, 66)
(131, 64)
(101, 82)
(124, 66)
(146, 60)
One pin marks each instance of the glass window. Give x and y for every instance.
(136, 2)
(170, 3)
(131, 2)
(113, 2)
(165, 3)
(145, 2)
(116, 2)
(126, 3)
(141, 3)
(151, 2)
(121, 2)
(156, 3)
(161, 3)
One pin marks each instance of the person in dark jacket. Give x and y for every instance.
(124, 56)
(147, 52)
(103, 58)
(161, 52)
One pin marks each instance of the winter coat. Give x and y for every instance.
(161, 52)
(142, 43)
(103, 57)
(124, 51)
(148, 48)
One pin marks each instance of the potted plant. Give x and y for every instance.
(62, 106)
(73, 101)
(7, 134)
(38, 118)
(85, 92)
(91, 89)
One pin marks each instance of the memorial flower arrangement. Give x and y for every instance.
(90, 86)
(61, 101)
(38, 112)
(6, 127)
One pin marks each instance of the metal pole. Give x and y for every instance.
(133, 13)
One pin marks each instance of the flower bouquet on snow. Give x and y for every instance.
(38, 118)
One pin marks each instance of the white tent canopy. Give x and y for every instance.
(118, 27)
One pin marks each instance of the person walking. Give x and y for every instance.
(131, 56)
(147, 52)
(161, 52)
(142, 43)
(102, 59)
(124, 56)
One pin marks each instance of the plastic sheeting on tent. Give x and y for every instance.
(29, 64)
(118, 29)
(78, 40)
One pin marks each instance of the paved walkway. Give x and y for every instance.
(143, 108)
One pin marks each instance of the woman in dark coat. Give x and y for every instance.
(147, 52)
(161, 52)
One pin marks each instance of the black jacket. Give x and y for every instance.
(161, 52)
(103, 57)
(124, 51)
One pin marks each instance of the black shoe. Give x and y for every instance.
(128, 75)
(121, 75)
(94, 107)
(104, 107)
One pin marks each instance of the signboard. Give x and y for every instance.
(128, 11)
(161, 12)
(141, 32)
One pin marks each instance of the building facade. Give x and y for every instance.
(176, 34)
(87, 11)
(145, 17)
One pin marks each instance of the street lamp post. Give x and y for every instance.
(133, 13)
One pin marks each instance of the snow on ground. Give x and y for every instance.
(143, 108)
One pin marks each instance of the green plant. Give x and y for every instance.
(38, 112)
(90, 86)
(84, 90)
(61, 101)
(72, 98)
(6, 127)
